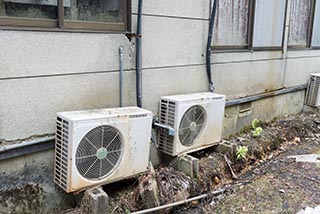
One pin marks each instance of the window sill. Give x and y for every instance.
(7, 28)
(231, 51)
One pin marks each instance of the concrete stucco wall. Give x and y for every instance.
(42, 73)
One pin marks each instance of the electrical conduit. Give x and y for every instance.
(208, 52)
(139, 57)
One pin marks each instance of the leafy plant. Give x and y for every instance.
(242, 152)
(255, 124)
(257, 131)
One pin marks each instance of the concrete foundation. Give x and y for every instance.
(27, 186)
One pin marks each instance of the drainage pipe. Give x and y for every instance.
(27, 147)
(179, 202)
(121, 53)
(138, 56)
(266, 95)
(26, 143)
(208, 51)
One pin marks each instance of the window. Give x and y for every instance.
(268, 26)
(316, 27)
(231, 24)
(100, 15)
(299, 22)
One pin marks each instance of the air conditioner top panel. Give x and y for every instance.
(104, 113)
(315, 74)
(194, 96)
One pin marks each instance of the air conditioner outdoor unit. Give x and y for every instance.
(101, 146)
(196, 118)
(313, 92)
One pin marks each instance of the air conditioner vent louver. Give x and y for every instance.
(61, 150)
(167, 117)
(196, 118)
(312, 97)
(99, 152)
(167, 111)
(191, 124)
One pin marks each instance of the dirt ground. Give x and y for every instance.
(275, 184)
(279, 186)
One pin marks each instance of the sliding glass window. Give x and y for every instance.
(301, 12)
(231, 24)
(100, 15)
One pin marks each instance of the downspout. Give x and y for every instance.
(208, 52)
(138, 57)
(121, 53)
(286, 40)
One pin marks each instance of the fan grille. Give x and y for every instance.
(99, 152)
(191, 125)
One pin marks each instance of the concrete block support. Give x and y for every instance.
(226, 147)
(188, 165)
(148, 189)
(95, 201)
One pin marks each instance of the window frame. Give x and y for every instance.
(60, 24)
(308, 45)
(250, 32)
(311, 25)
(237, 48)
(267, 48)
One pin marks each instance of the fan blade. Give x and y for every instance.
(90, 166)
(90, 143)
(112, 140)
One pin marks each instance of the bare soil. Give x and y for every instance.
(270, 182)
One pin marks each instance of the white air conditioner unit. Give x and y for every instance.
(313, 92)
(101, 146)
(196, 118)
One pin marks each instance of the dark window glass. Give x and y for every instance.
(231, 23)
(41, 9)
(94, 10)
(299, 22)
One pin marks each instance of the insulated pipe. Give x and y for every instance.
(138, 56)
(26, 143)
(208, 52)
(121, 51)
(179, 202)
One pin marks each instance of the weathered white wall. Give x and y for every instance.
(42, 73)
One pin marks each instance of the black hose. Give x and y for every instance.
(139, 57)
(208, 53)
